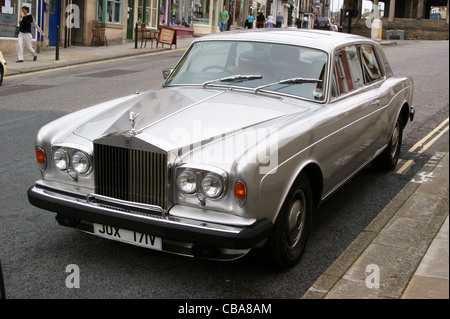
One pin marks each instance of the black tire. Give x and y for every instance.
(286, 244)
(388, 159)
(1, 75)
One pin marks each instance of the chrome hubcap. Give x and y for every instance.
(296, 222)
(395, 138)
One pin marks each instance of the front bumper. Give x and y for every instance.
(179, 235)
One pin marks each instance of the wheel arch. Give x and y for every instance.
(314, 173)
(405, 113)
(315, 176)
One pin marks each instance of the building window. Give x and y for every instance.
(201, 11)
(148, 12)
(151, 13)
(176, 12)
(109, 11)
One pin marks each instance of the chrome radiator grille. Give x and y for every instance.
(131, 175)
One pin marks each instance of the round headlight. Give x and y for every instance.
(80, 162)
(212, 186)
(61, 159)
(186, 182)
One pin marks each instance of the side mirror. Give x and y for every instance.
(166, 73)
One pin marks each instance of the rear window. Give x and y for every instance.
(348, 75)
(371, 67)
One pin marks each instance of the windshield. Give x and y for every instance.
(260, 67)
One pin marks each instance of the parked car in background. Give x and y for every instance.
(2, 67)
(323, 24)
(250, 132)
(338, 26)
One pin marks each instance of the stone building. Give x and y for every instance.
(413, 17)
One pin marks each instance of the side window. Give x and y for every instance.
(347, 70)
(334, 86)
(371, 68)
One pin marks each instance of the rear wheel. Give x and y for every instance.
(287, 243)
(388, 159)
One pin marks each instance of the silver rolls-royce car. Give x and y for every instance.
(250, 132)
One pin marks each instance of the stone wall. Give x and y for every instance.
(415, 29)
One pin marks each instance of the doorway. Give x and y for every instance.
(53, 20)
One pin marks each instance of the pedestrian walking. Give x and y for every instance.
(269, 22)
(280, 20)
(224, 16)
(260, 20)
(250, 21)
(305, 22)
(25, 34)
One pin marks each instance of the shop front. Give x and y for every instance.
(206, 16)
(10, 14)
(240, 10)
(178, 15)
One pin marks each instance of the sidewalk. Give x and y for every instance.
(404, 252)
(84, 54)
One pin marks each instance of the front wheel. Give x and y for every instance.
(287, 242)
(388, 159)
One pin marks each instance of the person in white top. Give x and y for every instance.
(269, 22)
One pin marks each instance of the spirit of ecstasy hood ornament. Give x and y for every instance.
(132, 119)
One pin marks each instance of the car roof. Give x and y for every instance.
(324, 40)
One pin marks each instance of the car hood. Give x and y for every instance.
(185, 115)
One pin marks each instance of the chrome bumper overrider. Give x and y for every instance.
(188, 236)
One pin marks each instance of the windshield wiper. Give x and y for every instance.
(290, 81)
(233, 78)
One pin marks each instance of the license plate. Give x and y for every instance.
(128, 236)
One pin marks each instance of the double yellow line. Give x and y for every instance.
(429, 135)
(425, 143)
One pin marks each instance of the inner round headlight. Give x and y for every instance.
(186, 182)
(80, 162)
(61, 159)
(212, 185)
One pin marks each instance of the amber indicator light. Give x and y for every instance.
(40, 156)
(239, 190)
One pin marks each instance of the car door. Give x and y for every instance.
(360, 110)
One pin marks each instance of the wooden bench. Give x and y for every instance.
(148, 34)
